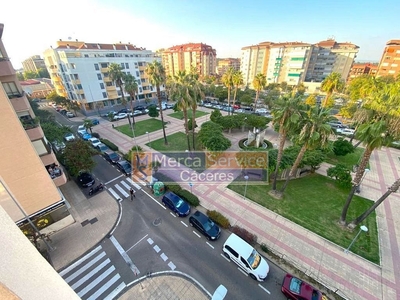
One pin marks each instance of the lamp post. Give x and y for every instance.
(148, 137)
(358, 189)
(245, 187)
(362, 228)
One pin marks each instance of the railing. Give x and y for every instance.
(54, 172)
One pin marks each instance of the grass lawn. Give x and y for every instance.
(179, 114)
(348, 160)
(315, 202)
(141, 127)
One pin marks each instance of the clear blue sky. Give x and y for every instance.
(225, 25)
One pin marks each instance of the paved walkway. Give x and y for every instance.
(348, 275)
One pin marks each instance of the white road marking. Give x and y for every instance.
(115, 292)
(78, 262)
(171, 265)
(127, 186)
(116, 178)
(124, 255)
(172, 214)
(114, 194)
(104, 287)
(264, 289)
(196, 234)
(154, 199)
(85, 267)
(243, 272)
(156, 248)
(133, 183)
(137, 242)
(227, 259)
(164, 257)
(96, 281)
(121, 190)
(184, 223)
(150, 241)
(210, 245)
(92, 273)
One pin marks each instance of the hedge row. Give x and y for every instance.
(245, 235)
(218, 218)
(109, 144)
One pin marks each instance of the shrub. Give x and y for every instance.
(245, 235)
(189, 197)
(341, 147)
(96, 135)
(264, 248)
(218, 218)
(175, 188)
(109, 144)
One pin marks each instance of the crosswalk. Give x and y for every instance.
(119, 188)
(93, 276)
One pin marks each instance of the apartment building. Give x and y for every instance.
(224, 64)
(297, 62)
(33, 64)
(79, 72)
(37, 88)
(27, 161)
(200, 56)
(390, 61)
(359, 69)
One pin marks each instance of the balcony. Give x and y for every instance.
(104, 70)
(107, 79)
(76, 81)
(6, 67)
(56, 173)
(110, 88)
(30, 123)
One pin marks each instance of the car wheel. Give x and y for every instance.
(208, 238)
(177, 214)
(253, 277)
(164, 203)
(227, 255)
(191, 224)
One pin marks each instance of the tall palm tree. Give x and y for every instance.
(131, 87)
(332, 83)
(237, 80)
(227, 81)
(156, 73)
(287, 113)
(314, 133)
(196, 94)
(259, 82)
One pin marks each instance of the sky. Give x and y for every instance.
(31, 27)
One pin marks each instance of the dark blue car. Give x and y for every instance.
(180, 207)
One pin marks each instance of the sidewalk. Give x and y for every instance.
(348, 275)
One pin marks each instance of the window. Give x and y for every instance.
(96, 67)
(143, 80)
(136, 65)
(140, 90)
(105, 103)
(126, 66)
(73, 66)
(102, 85)
(119, 93)
(137, 74)
(104, 95)
(104, 65)
(122, 66)
(79, 86)
(86, 55)
(99, 76)
(244, 262)
(11, 89)
(233, 252)
(83, 96)
(140, 64)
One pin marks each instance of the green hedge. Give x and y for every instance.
(189, 197)
(175, 188)
(218, 218)
(109, 144)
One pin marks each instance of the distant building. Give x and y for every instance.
(359, 69)
(79, 72)
(200, 56)
(33, 64)
(390, 61)
(224, 64)
(37, 88)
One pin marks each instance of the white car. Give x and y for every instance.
(262, 111)
(120, 116)
(347, 131)
(208, 104)
(69, 114)
(94, 141)
(69, 137)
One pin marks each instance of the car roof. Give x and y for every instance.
(242, 247)
(200, 217)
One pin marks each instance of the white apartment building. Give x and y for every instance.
(254, 60)
(79, 71)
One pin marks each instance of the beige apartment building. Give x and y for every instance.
(33, 64)
(26, 156)
(200, 56)
(359, 69)
(223, 64)
(390, 61)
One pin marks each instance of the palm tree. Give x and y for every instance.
(259, 82)
(237, 80)
(287, 113)
(156, 73)
(131, 87)
(227, 81)
(196, 94)
(314, 133)
(88, 124)
(332, 83)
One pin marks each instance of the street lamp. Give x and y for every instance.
(245, 187)
(362, 228)
(148, 137)
(358, 189)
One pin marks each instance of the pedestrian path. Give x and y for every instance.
(94, 276)
(120, 187)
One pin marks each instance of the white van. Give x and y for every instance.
(246, 257)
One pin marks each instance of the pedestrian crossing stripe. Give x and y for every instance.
(87, 266)
(135, 184)
(78, 262)
(96, 281)
(121, 190)
(113, 193)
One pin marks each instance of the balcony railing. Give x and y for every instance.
(54, 171)
(29, 123)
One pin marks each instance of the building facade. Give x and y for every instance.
(37, 88)
(224, 64)
(27, 159)
(359, 69)
(200, 56)
(390, 61)
(297, 62)
(79, 72)
(33, 64)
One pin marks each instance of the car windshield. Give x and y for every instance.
(254, 259)
(208, 225)
(295, 285)
(113, 155)
(179, 203)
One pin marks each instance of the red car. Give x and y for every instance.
(296, 289)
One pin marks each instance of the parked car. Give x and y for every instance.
(296, 289)
(111, 156)
(335, 124)
(58, 146)
(208, 104)
(140, 107)
(95, 121)
(102, 148)
(175, 203)
(107, 114)
(63, 111)
(217, 106)
(205, 225)
(69, 137)
(124, 110)
(136, 113)
(69, 114)
(261, 111)
(347, 131)
(85, 179)
(81, 127)
(124, 166)
(86, 136)
(120, 116)
(169, 106)
(94, 141)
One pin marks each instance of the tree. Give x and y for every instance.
(237, 80)
(88, 124)
(246, 99)
(53, 132)
(78, 157)
(342, 147)
(157, 77)
(153, 112)
(196, 94)
(215, 115)
(287, 113)
(73, 105)
(341, 174)
(311, 100)
(314, 133)
(131, 87)
(259, 82)
(30, 75)
(43, 73)
(332, 83)
(20, 76)
(313, 158)
(227, 80)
